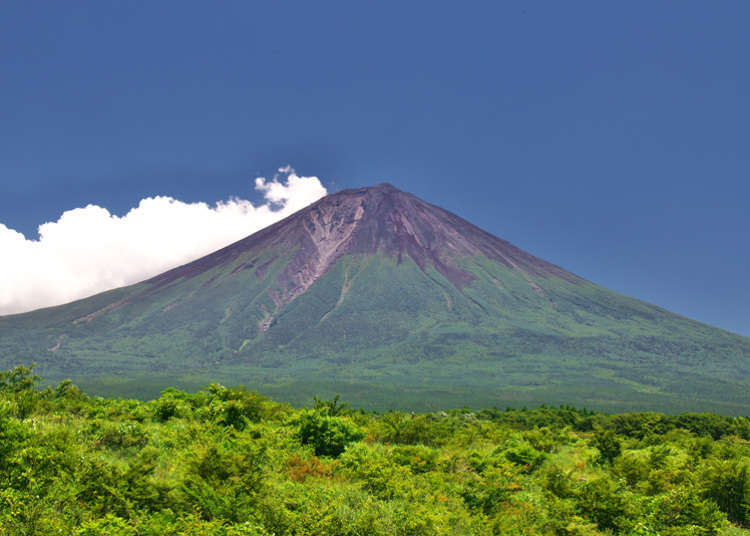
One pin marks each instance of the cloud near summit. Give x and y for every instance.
(89, 250)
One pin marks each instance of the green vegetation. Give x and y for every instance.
(230, 462)
(396, 338)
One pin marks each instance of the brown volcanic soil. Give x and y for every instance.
(378, 219)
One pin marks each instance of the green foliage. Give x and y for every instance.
(683, 511)
(169, 405)
(608, 445)
(119, 435)
(12, 434)
(526, 456)
(606, 503)
(331, 407)
(328, 436)
(18, 379)
(229, 462)
(411, 429)
(222, 480)
(727, 482)
(491, 490)
(236, 407)
(418, 458)
(108, 525)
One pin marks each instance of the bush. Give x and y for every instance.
(683, 511)
(121, 435)
(223, 480)
(605, 503)
(167, 406)
(728, 484)
(372, 466)
(414, 429)
(235, 406)
(18, 379)
(546, 439)
(12, 434)
(559, 483)
(632, 467)
(488, 492)
(639, 425)
(526, 456)
(108, 525)
(328, 436)
(608, 445)
(418, 458)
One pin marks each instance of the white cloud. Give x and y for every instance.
(88, 250)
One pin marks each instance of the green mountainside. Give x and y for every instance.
(394, 303)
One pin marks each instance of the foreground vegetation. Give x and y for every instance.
(226, 461)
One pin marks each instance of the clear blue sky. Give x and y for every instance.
(611, 139)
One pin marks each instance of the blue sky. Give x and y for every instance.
(609, 139)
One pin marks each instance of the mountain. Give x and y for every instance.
(392, 302)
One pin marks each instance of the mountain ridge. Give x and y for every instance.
(406, 242)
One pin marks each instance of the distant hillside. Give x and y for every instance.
(393, 302)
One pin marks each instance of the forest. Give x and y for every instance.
(228, 461)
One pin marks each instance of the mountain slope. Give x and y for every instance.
(377, 294)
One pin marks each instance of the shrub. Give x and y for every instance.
(300, 468)
(328, 436)
(235, 406)
(223, 480)
(373, 466)
(605, 503)
(418, 458)
(414, 429)
(632, 467)
(608, 445)
(639, 425)
(166, 407)
(546, 439)
(526, 456)
(108, 525)
(728, 484)
(12, 435)
(559, 482)
(122, 435)
(18, 379)
(488, 492)
(683, 511)
(331, 408)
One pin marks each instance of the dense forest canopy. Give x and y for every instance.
(228, 461)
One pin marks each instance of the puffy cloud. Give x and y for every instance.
(89, 250)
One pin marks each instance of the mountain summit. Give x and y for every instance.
(379, 220)
(374, 293)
